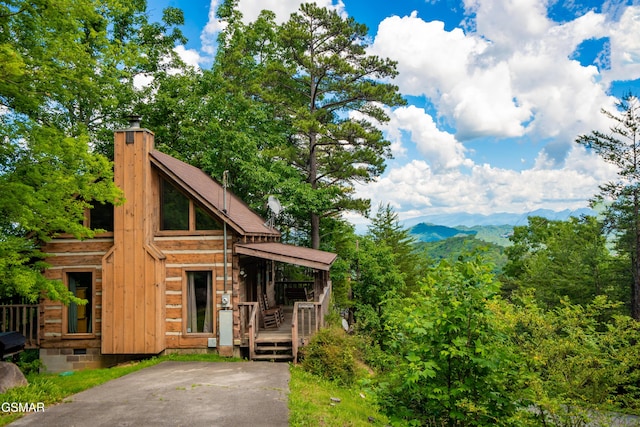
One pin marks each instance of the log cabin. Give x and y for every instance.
(183, 266)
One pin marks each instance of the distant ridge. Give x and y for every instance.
(433, 233)
(503, 218)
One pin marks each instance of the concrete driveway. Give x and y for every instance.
(179, 394)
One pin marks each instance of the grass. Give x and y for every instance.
(311, 404)
(54, 388)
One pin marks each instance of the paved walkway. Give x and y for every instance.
(179, 394)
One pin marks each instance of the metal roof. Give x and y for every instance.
(209, 193)
(290, 254)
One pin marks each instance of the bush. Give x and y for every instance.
(331, 355)
(452, 367)
(576, 357)
(29, 362)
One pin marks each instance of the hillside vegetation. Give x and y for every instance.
(455, 248)
(496, 234)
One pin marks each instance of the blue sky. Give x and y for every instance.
(498, 91)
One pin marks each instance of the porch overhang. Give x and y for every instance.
(289, 254)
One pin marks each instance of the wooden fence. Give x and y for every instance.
(23, 318)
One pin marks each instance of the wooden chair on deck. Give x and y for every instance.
(270, 318)
(298, 294)
(277, 308)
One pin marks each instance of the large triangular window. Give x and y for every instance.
(179, 213)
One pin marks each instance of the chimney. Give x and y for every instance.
(134, 121)
(133, 271)
(133, 175)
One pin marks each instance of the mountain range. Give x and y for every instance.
(501, 218)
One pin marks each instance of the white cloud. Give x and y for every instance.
(509, 23)
(430, 59)
(416, 189)
(513, 76)
(211, 29)
(625, 46)
(190, 57)
(440, 149)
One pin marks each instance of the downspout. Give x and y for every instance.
(225, 347)
(225, 179)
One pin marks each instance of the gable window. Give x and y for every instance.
(80, 317)
(199, 304)
(175, 208)
(179, 213)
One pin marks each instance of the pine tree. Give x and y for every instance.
(621, 197)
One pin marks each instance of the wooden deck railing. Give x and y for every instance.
(23, 318)
(307, 318)
(249, 324)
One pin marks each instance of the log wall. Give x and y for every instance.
(191, 253)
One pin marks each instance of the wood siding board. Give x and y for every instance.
(174, 312)
(107, 303)
(70, 246)
(190, 258)
(172, 285)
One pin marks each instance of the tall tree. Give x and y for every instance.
(331, 92)
(621, 197)
(213, 119)
(385, 229)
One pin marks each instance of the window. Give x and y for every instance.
(179, 213)
(101, 217)
(175, 208)
(199, 302)
(79, 317)
(204, 221)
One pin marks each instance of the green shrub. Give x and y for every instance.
(29, 362)
(452, 365)
(331, 355)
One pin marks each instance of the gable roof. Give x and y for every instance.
(209, 193)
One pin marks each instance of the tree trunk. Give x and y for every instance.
(315, 231)
(313, 180)
(635, 293)
(635, 257)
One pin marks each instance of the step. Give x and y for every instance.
(274, 348)
(273, 357)
(265, 339)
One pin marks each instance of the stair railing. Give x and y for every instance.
(307, 318)
(249, 325)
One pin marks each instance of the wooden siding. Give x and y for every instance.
(134, 270)
(65, 255)
(184, 254)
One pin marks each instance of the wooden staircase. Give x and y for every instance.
(269, 347)
(274, 344)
